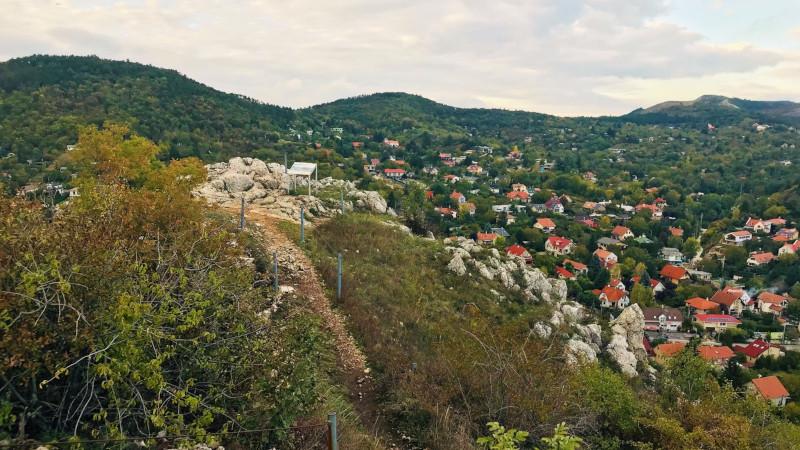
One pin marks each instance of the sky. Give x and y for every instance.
(566, 57)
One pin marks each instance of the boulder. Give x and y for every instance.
(579, 352)
(237, 182)
(457, 265)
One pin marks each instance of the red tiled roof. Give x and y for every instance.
(456, 195)
(740, 233)
(753, 349)
(727, 298)
(575, 264)
(613, 294)
(619, 230)
(487, 236)
(701, 304)
(517, 250)
(710, 318)
(673, 272)
(545, 222)
(715, 353)
(559, 242)
(397, 171)
(675, 231)
(564, 273)
(763, 257)
(769, 297)
(521, 195)
(770, 387)
(669, 348)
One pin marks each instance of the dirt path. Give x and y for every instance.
(303, 277)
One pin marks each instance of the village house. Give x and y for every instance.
(673, 274)
(716, 322)
(452, 178)
(564, 273)
(717, 355)
(519, 251)
(675, 231)
(663, 352)
(700, 305)
(757, 349)
(656, 212)
(554, 205)
(575, 266)
(545, 224)
(357, 145)
(757, 225)
(671, 255)
(458, 197)
(786, 235)
(770, 389)
(391, 143)
(789, 249)
(518, 195)
(468, 208)
(475, 169)
(590, 176)
(519, 187)
(613, 297)
(394, 173)
(738, 237)
(757, 259)
(662, 319)
(558, 246)
(768, 302)
(606, 242)
(447, 212)
(733, 300)
(606, 258)
(621, 233)
(657, 286)
(487, 238)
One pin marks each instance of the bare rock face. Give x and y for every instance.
(266, 185)
(579, 352)
(457, 265)
(627, 343)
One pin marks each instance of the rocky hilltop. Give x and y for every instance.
(267, 185)
(584, 338)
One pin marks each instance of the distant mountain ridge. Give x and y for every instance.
(717, 109)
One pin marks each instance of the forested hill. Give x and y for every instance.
(44, 99)
(396, 112)
(717, 110)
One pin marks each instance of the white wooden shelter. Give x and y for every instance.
(303, 169)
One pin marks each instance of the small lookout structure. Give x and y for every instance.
(303, 169)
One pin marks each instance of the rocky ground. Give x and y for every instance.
(585, 337)
(265, 187)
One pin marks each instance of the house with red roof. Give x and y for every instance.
(519, 251)
(357, 145)
(452, 178)
(733, 300)
(612, 297)
(558, 246)
(545, 224)
(607, 259)
(447, 212)
(757, 349)
(487, 238)
(675, 231)
(738, 237)
(655, 211)
(758, 259)
(673, 274)
(519, 187)
(429, 195)
(770, 389)
(468, 207)
(621, 233)
(701, 305)
(717, 355)
(518, 195)
(668, 350)
(554, 205)
(789, 249)
(575, 266)
(757, 225)
(769, 302)
(786, 235)
(391, 143)
(716, 322)
(657, 286)
(475, 169)
(564, 273)
(394, 173)
(458, 197)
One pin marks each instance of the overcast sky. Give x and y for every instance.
(569, 57)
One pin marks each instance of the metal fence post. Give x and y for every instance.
(339, 278)
(241, 215)
(275, 260)
(333, 438)
(302, 225)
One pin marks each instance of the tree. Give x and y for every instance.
(502, 439)
(642, 295)
(561, 439)
(691, 247)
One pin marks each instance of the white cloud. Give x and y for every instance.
(569, 57)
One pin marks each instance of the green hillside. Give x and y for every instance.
(45, 99)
